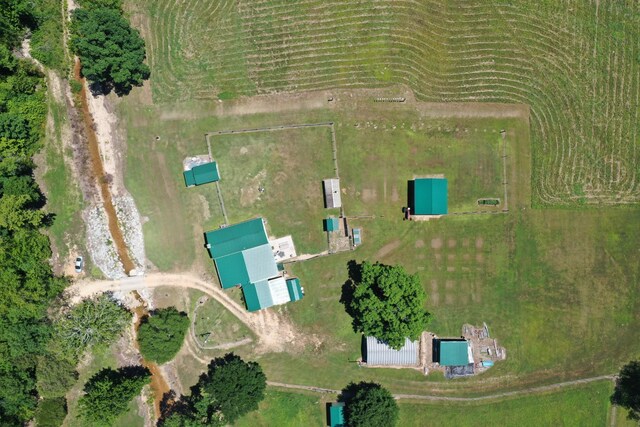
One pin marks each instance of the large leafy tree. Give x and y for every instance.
(95, 321)
(386, 302)
(111, 51)
(627, 391)
(108, 393)
(161, 335)
(369, 405)
(229, 389)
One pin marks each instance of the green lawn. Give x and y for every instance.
(286, 409)
(551, 284)
(289, 166)
(580, 407)
(215, 325)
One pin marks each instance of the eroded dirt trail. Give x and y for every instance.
(275, 332)
(100, 176)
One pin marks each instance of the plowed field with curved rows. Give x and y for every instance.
(576, 63)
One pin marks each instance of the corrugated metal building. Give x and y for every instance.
(430, 196)
(331, 224)
(380, 354)
(332, 193)
(336, 414)
(201, 174)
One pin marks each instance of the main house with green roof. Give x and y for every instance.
(430, 196)
(201, 174)
(244, 257)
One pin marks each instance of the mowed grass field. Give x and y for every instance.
(574, 62)
(554, 285)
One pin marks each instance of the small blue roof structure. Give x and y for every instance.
(357, 238)
(336, 414)
(294, 288)
(331, 224)
(430, 196)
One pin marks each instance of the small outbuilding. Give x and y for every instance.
(295, 290)
(378, 353)
(201, 174)
(430, 196)
(331, 224)
(357, 237)
(332, 193)
(336, 414)
(452, 352)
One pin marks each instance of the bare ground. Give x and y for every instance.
(275, 332)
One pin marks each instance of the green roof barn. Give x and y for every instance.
(453, 352)
(201, 174)
(336, 414)
(243, 256)
(430, 196)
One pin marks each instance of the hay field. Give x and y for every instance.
(576, 63)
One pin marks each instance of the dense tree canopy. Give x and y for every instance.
(386, 302)
(111, 52)
(229, 389)
(94, 321)
(627, 391)
(161, 335)
(369, 405)
(108, 393)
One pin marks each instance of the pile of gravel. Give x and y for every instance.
(131, 227)
(101, 247)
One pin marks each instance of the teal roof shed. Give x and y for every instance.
(201, 174)
(430, 196)
(336, 414)
(453, 353)
(294, 288)
(331, 224)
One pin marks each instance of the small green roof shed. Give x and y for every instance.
(336, 414)
(201, 174)
(331, 224)
(453, 352)
(294, 288)
(430, 196)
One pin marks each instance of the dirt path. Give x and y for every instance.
(275, 333)
(423, 397)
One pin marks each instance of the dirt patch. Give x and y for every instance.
(206, 213)
(465, 243)
(369, 195)
(449, 299)
(451, 257)
(387, 249)
(449, 284)
(479, 258)
(434, 285)
(394, 194)
(419, 244)
(479, 243)
(250, 193)
(436, 243)
(452, 243)
(435, 298)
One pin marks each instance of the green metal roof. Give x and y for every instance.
(295, 290)
(331, 224)
(189, 179)
(236, 238)
(202, 174)
(232, 270)
(454, 353)
(257, 295)
(336, 414)
(430, 196)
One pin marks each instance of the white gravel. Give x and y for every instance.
(102, 250)
(131, 227)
